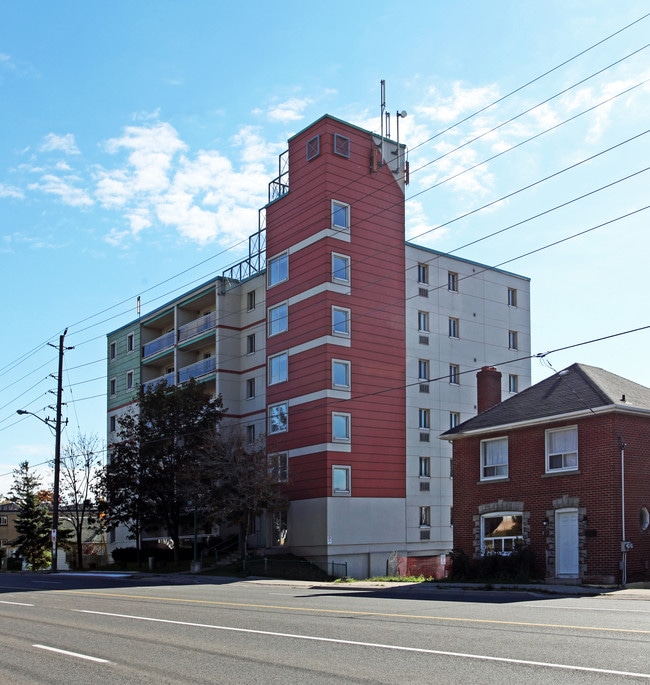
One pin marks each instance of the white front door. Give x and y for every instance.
(566, 544)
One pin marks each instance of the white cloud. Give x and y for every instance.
(11, 191)
(68, 193)
(290, 110)
(55, 143)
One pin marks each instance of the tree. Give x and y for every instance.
(247, 485)
(79, 464)
(34, 522)
(151, 476)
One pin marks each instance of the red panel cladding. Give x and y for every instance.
(376, 302)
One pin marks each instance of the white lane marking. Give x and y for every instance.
(461, 655)
(20, 604)
(607, 609)
(75, 654)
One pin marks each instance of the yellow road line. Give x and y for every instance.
(369, 614)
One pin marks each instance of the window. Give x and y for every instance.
(113, 350)
(424, 419)
(278, 368)
(454, 328)
(112, 384)
(454, 419)
(494, 458)
(279, 528)
(250, 388)
(130, 380)
(500, 533)
(340, 321)
(340, 373)
(279, 467)
(341, 145)
(512, 340)
(340, 215)
(512, 297)
(112, 424)
(454, 374)
(423, 322)
(423, 369)
(3, 521)
(644, 518)
(425, 517)
(250, 300)
(340, 268)
(130, 342)
(278, 417)
(513, 383)
(278, 269)
(423, 274)
(341, 480)
(250, 434)
(278, 319)
(250, 343)
(313, 147)
(452, 281)
(562, 449)
(340, 427)
(425, 467)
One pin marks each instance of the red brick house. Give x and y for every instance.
(563, 467)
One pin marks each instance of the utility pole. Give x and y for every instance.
(57, 454)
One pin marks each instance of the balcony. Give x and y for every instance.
(158, 345)
(197, 369)
(169, 378)
(198, 326)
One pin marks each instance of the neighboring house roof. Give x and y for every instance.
(578, 389)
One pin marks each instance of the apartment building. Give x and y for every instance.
(347, 348)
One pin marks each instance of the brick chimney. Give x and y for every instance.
(488, 388)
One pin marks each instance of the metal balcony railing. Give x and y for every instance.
(198, 326)
(197, 369)
(158, 345)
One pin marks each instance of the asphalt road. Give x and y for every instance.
(73, 629)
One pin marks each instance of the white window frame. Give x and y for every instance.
(250, 344)
(490, 469)
(569, 459)
(454, 327)
(513, 383)
(513, 340)
(277, 269)
(340, 208)
(250, 300)
(423, 321)
(130, 379)
(452, 281)
(507, 543)
(274, 411)
(512, 297)
(423, 369)
(424, 467)
(454, 374)
(454, 419)
(250, 388)
(278, 319)
(278, 463)
(341, 471)
(341, 363)
(424, 419)
(112, 423)
(250, 433)
(425, 517)
(341, 327)
(112, 387)
(423, 274)
(346, 260)
(130, 343)
(278, 368)
(113, 350)
(341, 419)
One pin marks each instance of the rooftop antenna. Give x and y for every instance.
(381, 117)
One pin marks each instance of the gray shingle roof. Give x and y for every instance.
(577, 388)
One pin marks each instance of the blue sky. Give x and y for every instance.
(137, 141)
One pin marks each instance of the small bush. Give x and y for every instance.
(519, 566)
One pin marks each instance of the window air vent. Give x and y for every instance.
(424, 437)
(425, 486)
(424, 387)
(425, 535)
(423, 292)
(424, 340)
